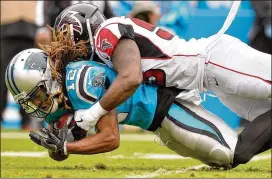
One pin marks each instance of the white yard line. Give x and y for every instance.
(14, 135)
(120, 156)
(164, 172)
(24, 154)
(158, 156)
(261, 157)
(124, 137)
(137, 137)
(155, 156)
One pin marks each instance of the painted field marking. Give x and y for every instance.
(158, 156)
(24, 154)
(136, 155)
(123, 137)
(155, 156)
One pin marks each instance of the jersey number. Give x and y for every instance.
(161, 33)
(155, 77)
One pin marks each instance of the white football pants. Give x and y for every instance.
(191, 131)
(240, 76)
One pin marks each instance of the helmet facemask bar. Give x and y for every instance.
(72, 33)
(90, 36)
(37, 102)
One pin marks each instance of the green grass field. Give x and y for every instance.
(138, 156)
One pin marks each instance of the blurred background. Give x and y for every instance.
(24, 24)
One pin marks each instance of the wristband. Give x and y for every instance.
(65, 149)
(97, 111)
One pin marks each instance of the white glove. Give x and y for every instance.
(87, 118)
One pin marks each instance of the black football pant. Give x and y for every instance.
(254, 139)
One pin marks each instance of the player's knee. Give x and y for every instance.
(220, 157)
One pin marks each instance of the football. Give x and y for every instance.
(74, 133)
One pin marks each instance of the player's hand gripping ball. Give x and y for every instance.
(74, 132)
(58, 134)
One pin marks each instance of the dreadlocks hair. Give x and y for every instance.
(61, 51)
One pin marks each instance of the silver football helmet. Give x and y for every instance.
(28, 78)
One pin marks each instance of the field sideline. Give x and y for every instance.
(137, 157)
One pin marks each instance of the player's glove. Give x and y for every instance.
(87, 118)
(50, 141)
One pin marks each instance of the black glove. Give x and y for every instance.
(50, 141)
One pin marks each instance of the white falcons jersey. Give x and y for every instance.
(166, 59)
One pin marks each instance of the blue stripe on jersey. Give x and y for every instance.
(194, 123)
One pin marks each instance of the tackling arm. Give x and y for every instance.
(122, 51)
(127, 62)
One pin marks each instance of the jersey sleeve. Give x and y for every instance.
(109, 34)
(87, 87)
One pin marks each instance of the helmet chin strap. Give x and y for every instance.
(54, 106)
(90, 36)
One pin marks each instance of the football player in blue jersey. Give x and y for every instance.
(43, 91)
(140, 52)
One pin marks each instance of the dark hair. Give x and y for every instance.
(61, 51)
(144, 16)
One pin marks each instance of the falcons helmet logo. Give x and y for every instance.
(106, 44)
(69, 18)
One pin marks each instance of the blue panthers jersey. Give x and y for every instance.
(87, 81)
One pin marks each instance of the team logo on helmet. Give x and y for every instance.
(36, 61)
(106, 45)
(70, 18)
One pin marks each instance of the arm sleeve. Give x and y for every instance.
(107, 38)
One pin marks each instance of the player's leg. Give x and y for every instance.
(191, 131)
(254, 139)
(246, 108)
(240, 76)
(235, 68)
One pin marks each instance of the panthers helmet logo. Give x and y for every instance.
(70, 18)
(36, 61)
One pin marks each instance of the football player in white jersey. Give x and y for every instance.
(140, 52)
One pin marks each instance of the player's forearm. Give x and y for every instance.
(127, 63)
(121, 89)
(99, 143)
